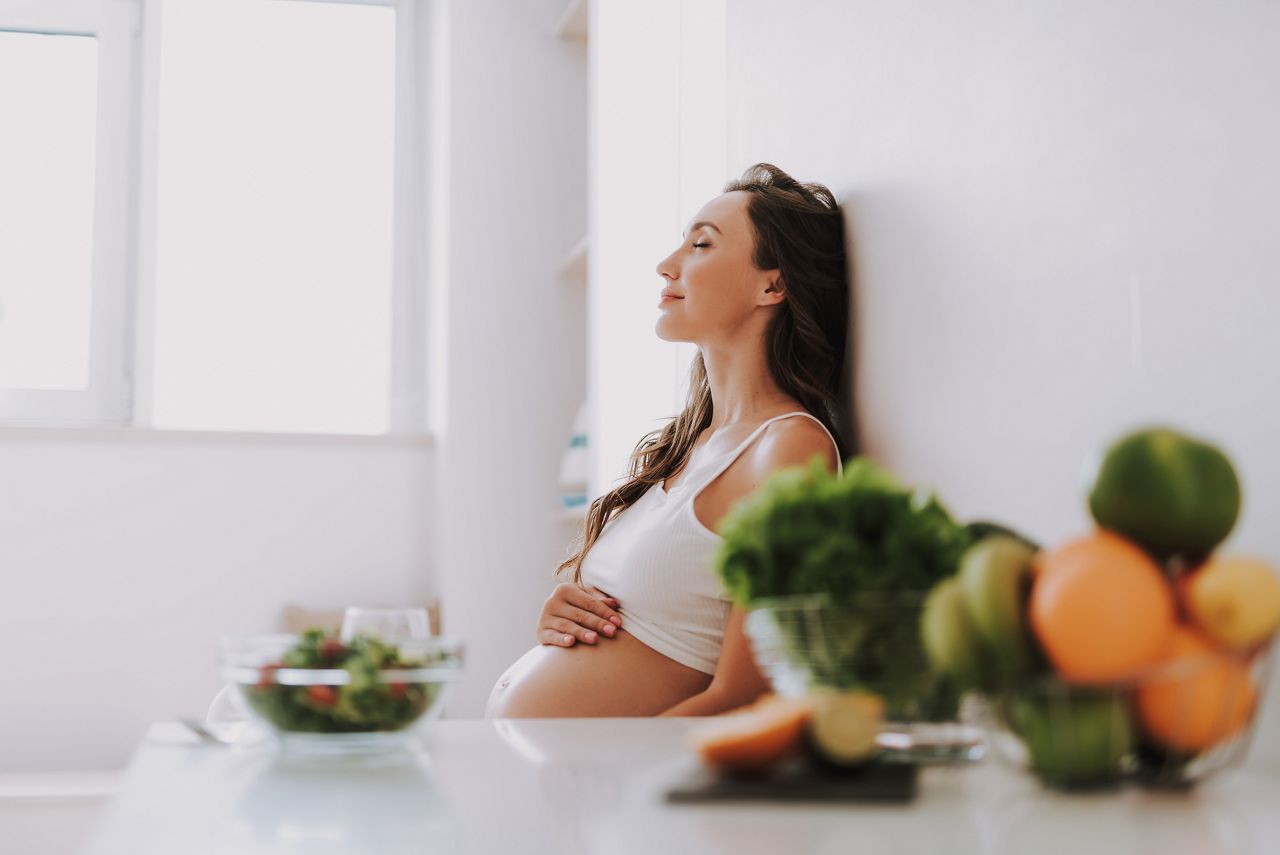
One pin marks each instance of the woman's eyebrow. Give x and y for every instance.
(702, 223)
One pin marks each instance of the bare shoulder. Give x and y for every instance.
(792, 442)
(786, 442)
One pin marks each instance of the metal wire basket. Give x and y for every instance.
(871, 643)
(1171, 726)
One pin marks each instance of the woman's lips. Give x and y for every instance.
(667, 298)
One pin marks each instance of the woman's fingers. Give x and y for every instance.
(565, 627)
(559, 639)
(603, 597)
(573, 613)
(612, 602)
(587, 619)
(594, 604)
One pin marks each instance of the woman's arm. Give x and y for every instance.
(737, 680)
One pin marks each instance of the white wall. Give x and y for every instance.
(513, 353)
(125, 555)
(657, 156)
(635, 223)
(1064, 223)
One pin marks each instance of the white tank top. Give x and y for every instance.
(656, 559)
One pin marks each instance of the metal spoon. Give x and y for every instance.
(203, 732)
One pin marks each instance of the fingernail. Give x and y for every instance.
(591, 636)
(608, 629)
(615, 620)
(568, 639)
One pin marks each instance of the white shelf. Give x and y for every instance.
(573, 21)
(574, 266)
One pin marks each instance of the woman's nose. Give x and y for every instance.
(667, 268)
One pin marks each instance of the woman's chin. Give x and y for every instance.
(665, 333)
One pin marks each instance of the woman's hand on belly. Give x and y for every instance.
(623, 678)
(573, 613)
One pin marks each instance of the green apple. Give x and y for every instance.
(1074, 739)
(995, 574)
(948, 635)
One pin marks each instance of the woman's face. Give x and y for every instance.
(716, 289)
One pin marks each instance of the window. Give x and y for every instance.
(274, 285)
(274, 216)
(46, 211)
(64, 183)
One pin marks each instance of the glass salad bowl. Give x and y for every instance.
(321, 694)
(868, 643)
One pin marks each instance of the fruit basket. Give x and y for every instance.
(1171, 726)
(1137, 650)
(868, 643)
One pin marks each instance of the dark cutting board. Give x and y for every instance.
(800, 780)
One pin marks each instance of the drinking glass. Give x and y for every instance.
(387, 624)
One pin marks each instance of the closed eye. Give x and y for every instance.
(701, 245)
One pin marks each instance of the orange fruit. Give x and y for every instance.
(1100, 608)
(753, 737)
(1204, 696)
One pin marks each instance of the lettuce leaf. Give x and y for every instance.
(809, 531)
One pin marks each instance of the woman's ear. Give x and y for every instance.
(776, 290)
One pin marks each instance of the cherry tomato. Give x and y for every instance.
(267, 675)
(332, 648)
(323, 695)
(397, 690)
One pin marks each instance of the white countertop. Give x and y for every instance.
(589, 786)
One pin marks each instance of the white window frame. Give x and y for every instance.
(116, 26)
(122, 355)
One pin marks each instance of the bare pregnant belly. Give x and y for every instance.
(617, 676)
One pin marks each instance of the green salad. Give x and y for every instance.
(385, 689)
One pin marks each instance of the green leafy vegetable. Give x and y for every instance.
(870, 548)
(808, 531)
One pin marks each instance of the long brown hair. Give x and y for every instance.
(799, 230)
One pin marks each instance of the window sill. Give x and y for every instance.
(145, 434)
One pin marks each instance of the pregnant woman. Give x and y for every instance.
(642, 627)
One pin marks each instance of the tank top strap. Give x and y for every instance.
(713, 472)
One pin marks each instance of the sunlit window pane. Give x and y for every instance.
(48, 111)
(274, 194)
